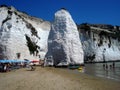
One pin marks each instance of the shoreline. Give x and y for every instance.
(71, 73)
(89, 62)
(49, 78)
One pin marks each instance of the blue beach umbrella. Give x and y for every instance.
(14, 61)
(4, 61)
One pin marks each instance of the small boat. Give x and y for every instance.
(73, 66)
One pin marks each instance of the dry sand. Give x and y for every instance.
(53, 79)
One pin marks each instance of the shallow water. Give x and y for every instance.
(97, 69)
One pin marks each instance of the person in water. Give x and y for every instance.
(106, 66)
(113, 65)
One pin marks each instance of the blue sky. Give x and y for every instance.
(82, 11)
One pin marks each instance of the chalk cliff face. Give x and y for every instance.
(25, 37)
(22, 36)
(64, 45)
(100, 42)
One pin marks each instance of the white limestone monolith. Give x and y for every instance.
(64, 45)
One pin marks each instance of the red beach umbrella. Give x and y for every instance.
(35, 61)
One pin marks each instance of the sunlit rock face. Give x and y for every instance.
(64, 45)
(26, 37)
(100, 42)
(22, 36)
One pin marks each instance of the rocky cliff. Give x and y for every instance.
(22, 36)
(100, 42)
(64, 44)
(25, 37)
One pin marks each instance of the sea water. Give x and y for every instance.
(97, 69)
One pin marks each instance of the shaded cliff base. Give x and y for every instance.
(53, 79)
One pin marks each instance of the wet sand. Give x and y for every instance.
(53, 79)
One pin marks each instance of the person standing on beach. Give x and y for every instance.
(5, 68)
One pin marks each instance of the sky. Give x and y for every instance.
(82, 11)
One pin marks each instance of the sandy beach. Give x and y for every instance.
(49, 78)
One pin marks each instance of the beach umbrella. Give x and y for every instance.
(15, 61)
(4, 61)
(27, 61)
(35, 61)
